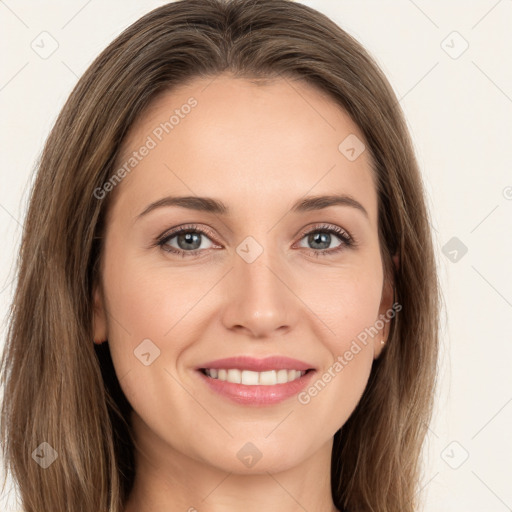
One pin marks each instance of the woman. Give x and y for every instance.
(259, 370)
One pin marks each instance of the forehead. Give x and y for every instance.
(247, 143)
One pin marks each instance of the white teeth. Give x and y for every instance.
(250, 378)
(268, 378)
(282, 376)
(234, 376)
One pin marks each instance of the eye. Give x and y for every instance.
(321, 237)
(188, 241)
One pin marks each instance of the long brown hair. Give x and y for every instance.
(61, 389)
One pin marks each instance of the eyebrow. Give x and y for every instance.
(215, 206)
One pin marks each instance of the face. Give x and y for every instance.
(257, 278)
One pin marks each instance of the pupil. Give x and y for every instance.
(188, 237)
(317, 238)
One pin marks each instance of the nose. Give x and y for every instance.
(260, 300)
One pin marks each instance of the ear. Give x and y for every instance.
(99, 316)
(384, 313)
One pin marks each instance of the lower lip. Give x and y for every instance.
(257, 395)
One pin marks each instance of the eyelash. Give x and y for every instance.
(347, 241)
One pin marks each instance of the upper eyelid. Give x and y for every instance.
(171, 233)
(323, 227)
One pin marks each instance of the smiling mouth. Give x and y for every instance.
(252, 378)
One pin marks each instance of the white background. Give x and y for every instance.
(459, 111)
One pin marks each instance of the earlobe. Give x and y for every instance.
(384, 319)
(99, 317)
(396, 261)
(382, 322)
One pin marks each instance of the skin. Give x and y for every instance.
(258, 148)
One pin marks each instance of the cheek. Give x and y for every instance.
(346, 302)
(142, 310)
(149, 300)
(148, 315)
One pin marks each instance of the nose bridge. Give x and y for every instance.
(259, 299)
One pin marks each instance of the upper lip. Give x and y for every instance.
(257, 365)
